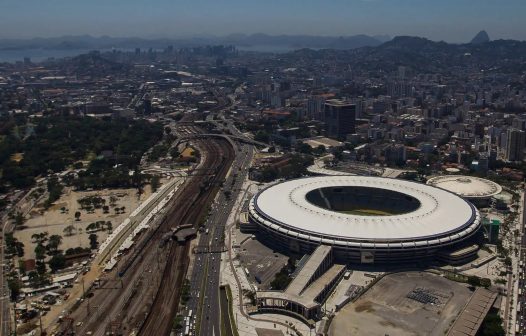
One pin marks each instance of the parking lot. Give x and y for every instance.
(262, 262)
(410, 303)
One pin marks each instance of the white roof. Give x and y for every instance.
(284, 207)
(466, 186)
(64, 277)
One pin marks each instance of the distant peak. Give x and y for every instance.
(481, 37)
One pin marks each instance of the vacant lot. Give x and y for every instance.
(411, 303)
(62, 214)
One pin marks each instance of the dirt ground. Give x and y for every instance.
(54, 220)
(386, 310)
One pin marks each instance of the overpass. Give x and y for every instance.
(229, 138)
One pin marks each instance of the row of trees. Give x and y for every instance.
(13, 246)
(295, 167)
(54, 188)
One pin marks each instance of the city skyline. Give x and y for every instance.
(451, 21)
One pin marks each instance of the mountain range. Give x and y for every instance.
(238, 40)
(242, 41)
(428, 56)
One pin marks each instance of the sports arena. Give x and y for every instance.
(477, 190)
(366, 219)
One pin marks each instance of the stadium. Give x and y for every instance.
(366, 219)
(477, 190)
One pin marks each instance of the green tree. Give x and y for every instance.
(10, 242)
(109, 227)
(320, 150)
(77, 215)
(262, 136)
(34, 279)
(22, 267)
(19, 219)
(58, 261)
(54, 188)
(155, 183)
(41, 267)
(492, 326)
(54, 242)
(113, 200)
(93, 243)
(19, 248)
(69, 230)
(281, 280)
(303, 148)
(14, 288)
(39, 238)
(40, 252)
(174, 153)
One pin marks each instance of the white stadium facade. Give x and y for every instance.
(366, 219)
(477, 190)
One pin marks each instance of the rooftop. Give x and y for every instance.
(301, 281)
(284, 207)
(469, 321)
(466, 186)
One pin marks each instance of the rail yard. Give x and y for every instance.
(142, 293)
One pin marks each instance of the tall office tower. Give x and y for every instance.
(401, 72)
(340, 118)
(315, 107)
(514, 144)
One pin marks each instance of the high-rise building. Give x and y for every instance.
(340, 118)
(315, 107)
(514, 144)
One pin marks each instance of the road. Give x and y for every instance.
(520, 327)
(24, 203)
(165, 307)
(205, 278)
(145, 298)
(4, 290)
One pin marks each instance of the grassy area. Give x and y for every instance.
(456, 277)
(231, 309)
(228, 324)
(17, 157)
(188, 152)
(199, 312)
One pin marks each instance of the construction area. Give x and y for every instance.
(409, 303)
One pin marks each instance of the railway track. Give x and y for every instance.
(161, 316)
(146, 298)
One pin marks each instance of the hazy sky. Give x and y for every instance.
(449, 20)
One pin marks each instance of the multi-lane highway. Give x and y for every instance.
(4, 290)
(205, 278)
(159, 321)
(520, 324)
